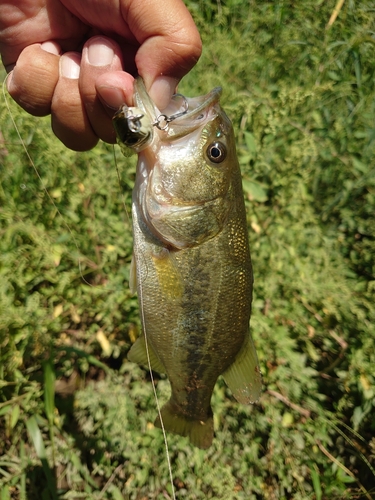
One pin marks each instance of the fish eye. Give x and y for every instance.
(216, 152)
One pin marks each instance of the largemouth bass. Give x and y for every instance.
(191, 259)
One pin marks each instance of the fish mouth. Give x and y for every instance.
(183, 114)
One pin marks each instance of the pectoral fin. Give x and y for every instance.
(169, 276)
(243, 377)
(138, 354)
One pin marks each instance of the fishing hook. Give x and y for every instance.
(134, 121)
(162, 121)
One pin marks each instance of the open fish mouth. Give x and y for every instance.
(200, 110)
(180, 109)
(138, 126)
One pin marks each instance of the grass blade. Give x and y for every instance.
(315, 477)
(37, 440)
(49, 390)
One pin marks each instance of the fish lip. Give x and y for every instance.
(208, 100)
(143, 100)
(201, 104)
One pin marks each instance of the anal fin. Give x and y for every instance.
(138, 354)
(243, 376)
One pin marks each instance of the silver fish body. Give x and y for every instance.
(191, 258)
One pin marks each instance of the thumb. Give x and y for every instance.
(170, 45)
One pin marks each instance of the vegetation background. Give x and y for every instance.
(76, 416)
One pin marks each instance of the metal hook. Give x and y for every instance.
(162, 121)
(134, 121)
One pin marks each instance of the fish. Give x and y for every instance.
(191, 264)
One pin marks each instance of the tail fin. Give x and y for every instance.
(199, 432)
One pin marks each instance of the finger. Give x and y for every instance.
(170, 45)
(69, 119)
(34, 77)
(26, 22)
(100, 55)
(164, 31)
(115, 89)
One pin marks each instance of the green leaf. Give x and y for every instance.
(345, 478)
(254, 190)
(5, 409)
(5, 494)
(359, 165)
(36, 437)
(14, 416)
(115, 492)
(250, 142)
(334, 75)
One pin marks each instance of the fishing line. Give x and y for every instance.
(23, 144)
(121, 185)
(155, 394)
(134, 125)
(41, 180)
(140, 294)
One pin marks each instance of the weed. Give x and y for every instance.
(75, 416)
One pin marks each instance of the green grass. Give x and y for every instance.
(75, 416)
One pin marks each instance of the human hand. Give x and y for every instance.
(77, 60)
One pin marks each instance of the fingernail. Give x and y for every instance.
(70, 65)
(100, 52)
(8, 80)
(111, 96)
(162, 90)
(51, 47)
